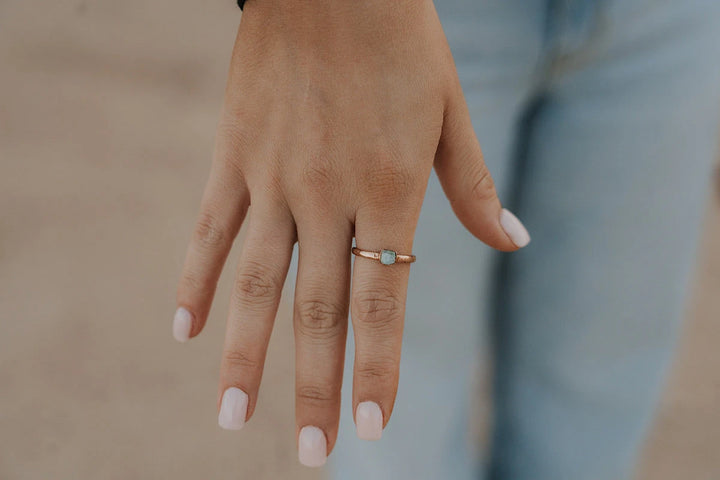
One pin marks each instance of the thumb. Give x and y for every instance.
(468, 185)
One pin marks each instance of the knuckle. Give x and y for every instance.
(256, 284)
(233, 138)
(209, 233)
(319, 318)
(232, 141)
(239, 359)
(197, 283)
(483, 188)
(377, 307)
(234, 133)
(318, 177)
(320, 395)
(390, 177)
(376, 370)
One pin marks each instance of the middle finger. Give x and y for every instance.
(320, 319)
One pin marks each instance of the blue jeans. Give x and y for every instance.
(599, 122)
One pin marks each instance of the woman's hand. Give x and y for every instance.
(335, 112)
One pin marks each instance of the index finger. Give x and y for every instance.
(379, 292)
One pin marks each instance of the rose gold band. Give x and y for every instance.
(386, 257)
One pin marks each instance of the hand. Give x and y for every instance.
(335, 112)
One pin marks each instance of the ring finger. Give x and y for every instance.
(261, 273)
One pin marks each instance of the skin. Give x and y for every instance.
(335, 112)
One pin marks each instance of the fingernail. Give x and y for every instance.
(514, 228)
(368, 421)
(312, 447)
(182, 324)
(233, 409)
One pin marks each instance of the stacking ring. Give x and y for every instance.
(386, 257)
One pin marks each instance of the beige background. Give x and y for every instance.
(107, 116)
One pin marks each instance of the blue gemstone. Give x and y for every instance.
(387, 257)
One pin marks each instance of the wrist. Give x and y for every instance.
(306, 14)
(329, 23)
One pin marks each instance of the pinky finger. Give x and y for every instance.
(222, 211)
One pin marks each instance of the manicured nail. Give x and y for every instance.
(368, 421)
(233, 409)
(514, 228)
(312, 447)
(182, 324)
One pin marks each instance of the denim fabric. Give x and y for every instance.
(599, 123)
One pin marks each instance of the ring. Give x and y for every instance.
(386, 257)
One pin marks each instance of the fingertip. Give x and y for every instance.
(514, 229)
(312, 446)
(233, 409)
(182, 324)
(369, 421)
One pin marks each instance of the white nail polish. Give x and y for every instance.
(233, 409)
(312, 447)
(368, 421)
(514, 228)
(182, 324)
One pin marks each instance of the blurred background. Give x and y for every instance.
(107, 118)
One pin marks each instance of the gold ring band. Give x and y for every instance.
(386, 257)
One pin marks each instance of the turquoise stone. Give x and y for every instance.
(387, 257)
